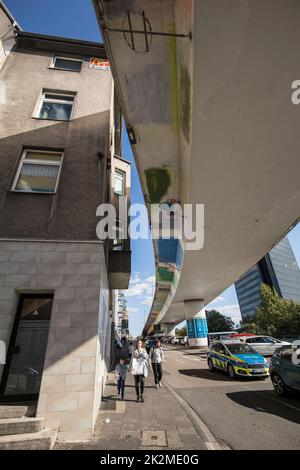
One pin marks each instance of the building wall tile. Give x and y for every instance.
(69, 421)
(53, 383)
(88, 365)
(80, 257)
(79, 382)
(88, 293)
(66, 365)
(64, 293)
(85, 400)
(62, 401)
(24, 256)
(76, 274)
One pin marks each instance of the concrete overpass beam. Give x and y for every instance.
(196, 323)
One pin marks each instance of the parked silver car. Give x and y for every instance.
(265, 345)
(184, 340)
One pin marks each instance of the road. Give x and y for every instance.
(243, 413)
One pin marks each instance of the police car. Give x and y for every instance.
(237, 359)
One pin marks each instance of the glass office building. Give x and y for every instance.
(279, 269)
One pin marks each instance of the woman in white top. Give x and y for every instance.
(139, 369)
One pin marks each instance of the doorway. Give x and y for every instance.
(22, 375)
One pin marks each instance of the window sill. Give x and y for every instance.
(13, 191)
(53, 120)
(64, 70)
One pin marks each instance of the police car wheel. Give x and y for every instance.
(231, 372)
(210, 365)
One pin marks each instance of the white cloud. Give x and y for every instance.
(141, 287)
(132, 310)
(147, 301)
(133, 291)
(136, 279)
(231, 310)
(218, 299)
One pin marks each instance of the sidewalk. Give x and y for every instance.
(158, 423)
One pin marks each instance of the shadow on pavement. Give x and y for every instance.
(264, 402)
(199, 354)
(133, 386)
(108, 398)
(204, 374)
(215, 376)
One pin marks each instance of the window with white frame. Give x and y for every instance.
(119, 183)
(38, 172)
(66, 63)
(55, 106)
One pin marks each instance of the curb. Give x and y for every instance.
(211, 442)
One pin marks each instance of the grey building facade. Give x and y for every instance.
(278, 269)
(60, 129)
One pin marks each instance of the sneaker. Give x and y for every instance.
(142, 399)
(156, 386)
(160, 385)
(137, 399)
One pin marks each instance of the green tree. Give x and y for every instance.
(248, 325)
(277, 316)
(218, 322)
(181, 331)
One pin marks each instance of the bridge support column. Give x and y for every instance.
(196, 323)
(169, 329)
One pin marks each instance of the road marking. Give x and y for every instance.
(193, 359)
(180, 362)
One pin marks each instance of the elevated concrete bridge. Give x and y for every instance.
(211, 121)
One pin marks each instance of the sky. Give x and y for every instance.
(68, 18)
(76, 19)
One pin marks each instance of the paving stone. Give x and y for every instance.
(173, 440)
(187, 431)
(154, 438)
(134, 427)
(127, 434)
(190, 441)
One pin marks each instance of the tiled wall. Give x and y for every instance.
(71, 386)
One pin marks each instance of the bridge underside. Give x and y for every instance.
(214, 124)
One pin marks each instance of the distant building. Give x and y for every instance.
(122, 315)
(8, 27)
(278, 269)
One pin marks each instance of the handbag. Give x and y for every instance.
(137, 366)
(146, 369)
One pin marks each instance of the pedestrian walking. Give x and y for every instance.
(156, 358)
(117, 352)
(139, 369)
(149, 344)
(121, 370)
